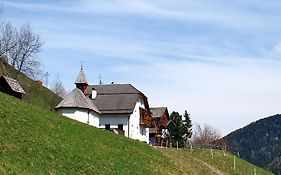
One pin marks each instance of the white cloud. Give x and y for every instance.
(233, 14)
(227, 97)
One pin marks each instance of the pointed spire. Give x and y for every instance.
(81, 65)
(81, 79)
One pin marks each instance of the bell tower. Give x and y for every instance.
(81, 82)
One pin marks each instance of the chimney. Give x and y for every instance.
(94, 93)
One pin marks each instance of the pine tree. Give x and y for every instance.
(188, 126)
(183, 129)
(178, 132)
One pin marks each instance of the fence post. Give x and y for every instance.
(177, 144)
(212, 153)
(234, 163)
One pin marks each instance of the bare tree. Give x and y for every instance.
(205, 135)
(58, 88)
(7, 38)
(21, 48)
(23, 56)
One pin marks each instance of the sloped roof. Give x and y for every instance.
(117, 98)
(76, 99)
(115, 89)
(81, 77)
(15, 86)
(158, 112)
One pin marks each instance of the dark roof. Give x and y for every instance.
(117, 98)
(158, 112)
(116, 89)
(81, 77)
(76, 99)
(15, 86)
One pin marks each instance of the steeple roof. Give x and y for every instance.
(81, 77)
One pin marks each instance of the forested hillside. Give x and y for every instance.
(259, 143)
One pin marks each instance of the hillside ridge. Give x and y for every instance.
(259, 143)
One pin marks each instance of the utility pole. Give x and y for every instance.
(46, 75)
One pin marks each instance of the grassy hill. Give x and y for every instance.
(200, 161)
(259, 143)
(35, 94)
(34, 140)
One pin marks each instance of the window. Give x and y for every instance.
(120, 126)
(143, 131)
(107, 127)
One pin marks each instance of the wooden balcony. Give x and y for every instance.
(145, 118)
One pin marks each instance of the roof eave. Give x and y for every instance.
(60, 107)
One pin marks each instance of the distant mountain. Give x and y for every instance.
(259, 143)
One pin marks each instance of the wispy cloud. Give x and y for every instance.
(212, 91)
(232, 13)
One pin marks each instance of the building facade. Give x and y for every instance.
(160, 119)
(119, 108)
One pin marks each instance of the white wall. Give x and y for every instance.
(136, 131)
(114, 121)
(81, 115)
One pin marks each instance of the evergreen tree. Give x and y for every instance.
(183, 130)
(178, 132)
(188, 126)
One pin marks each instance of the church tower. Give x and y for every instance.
(81, 82)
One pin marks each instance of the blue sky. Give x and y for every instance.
(219, 60)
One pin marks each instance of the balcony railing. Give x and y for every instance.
(145, 118)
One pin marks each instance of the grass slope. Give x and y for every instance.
(36, 141)
(200, 161)
(35, 94)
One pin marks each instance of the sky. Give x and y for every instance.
(219, 60)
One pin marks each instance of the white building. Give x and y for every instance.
(117, 107)
(79, 107)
